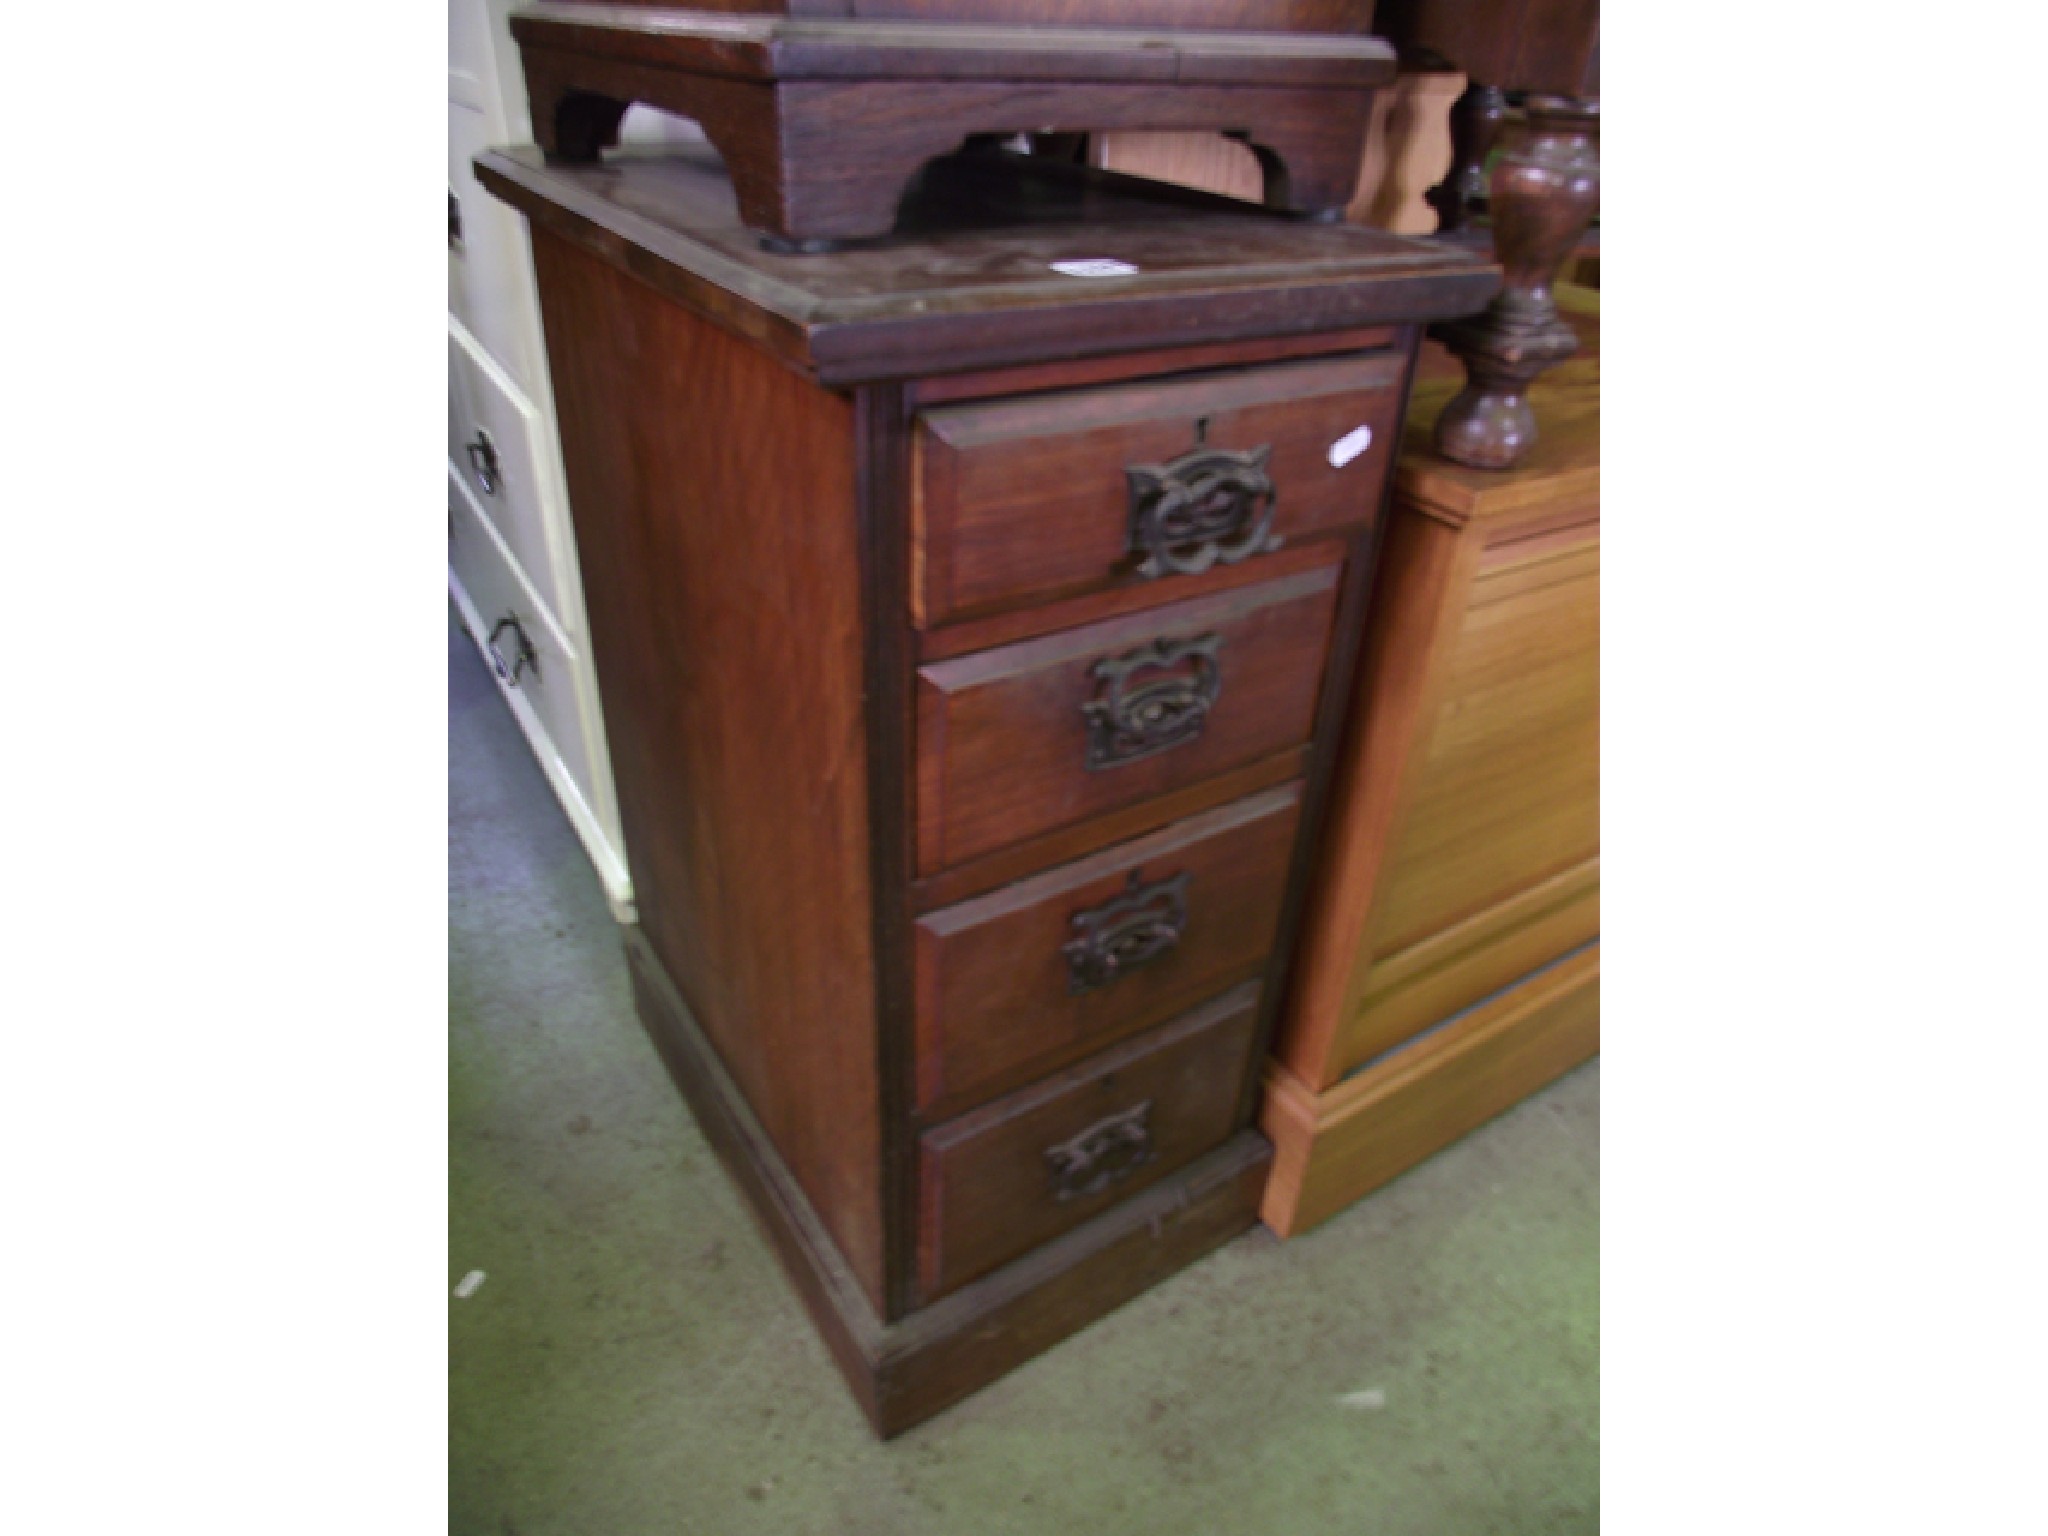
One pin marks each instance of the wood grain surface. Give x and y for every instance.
(1463, 851)
(1029, 498)
(821, 136)
(1260, 15)
(1471, 769)
(1003, 739)
(1252, 15)
(722, 585)
(1334, 1147)
(1521, 45)
(996, 1003)
(966, 282)
(852, 835)
(1407, 150)
(987, 1190)
(902, 1373)
(1509, 791)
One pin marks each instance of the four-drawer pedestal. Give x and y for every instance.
(973, 639)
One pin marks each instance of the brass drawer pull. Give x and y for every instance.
(1127, 721)
(1089, 1162)
(1133, 929)
(1209, 506)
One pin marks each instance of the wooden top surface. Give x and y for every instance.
(968, 280)
(1259, 15)
(750, 46)
(1562, 470)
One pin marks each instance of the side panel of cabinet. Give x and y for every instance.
(713, 493)
(1510, 791)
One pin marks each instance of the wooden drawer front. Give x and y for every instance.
(998, 1182)
(495, 448)
(1156, 700)
(1016, 983)
(1021, 499)
(546, 679)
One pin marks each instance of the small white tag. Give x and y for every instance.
(1350, 446)
(1095, 266)
(466, 1286)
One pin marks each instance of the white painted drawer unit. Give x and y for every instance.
(511, 551)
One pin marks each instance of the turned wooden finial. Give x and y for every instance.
(1475, 124)
(1545, 189)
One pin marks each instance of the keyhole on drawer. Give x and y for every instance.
(1201, 431)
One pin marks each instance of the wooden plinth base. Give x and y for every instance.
(1335, 1146)
(902, 1373)
(822, 124)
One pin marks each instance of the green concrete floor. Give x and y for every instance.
(634, 1361)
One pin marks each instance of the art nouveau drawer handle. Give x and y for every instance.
(1133, 929)
(1088, 1163)
(1131, 717)
(1208, 506)
(523, 655)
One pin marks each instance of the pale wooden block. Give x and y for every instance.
(1407, 151)
(1206, 161)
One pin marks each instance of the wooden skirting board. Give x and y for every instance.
(902, 1373)
(1331, 1148)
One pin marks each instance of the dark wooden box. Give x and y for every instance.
(823, 113)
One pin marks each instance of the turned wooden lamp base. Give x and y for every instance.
(1545, 190)
(822, 124)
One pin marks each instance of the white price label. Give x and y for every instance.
(1350, 446)
(1095, 266)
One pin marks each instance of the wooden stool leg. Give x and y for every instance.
(1475, 123)
(1545, 190)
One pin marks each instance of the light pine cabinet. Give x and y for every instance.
(1450, 962)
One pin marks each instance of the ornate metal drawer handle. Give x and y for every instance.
(1131, 930)
(522, 658)
(1088, 1163)
(483, 458)
(1207, 506)
(1127, 721)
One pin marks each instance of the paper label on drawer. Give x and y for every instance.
(1350, 446)
(1095, 266)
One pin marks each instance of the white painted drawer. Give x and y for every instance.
(496, 442)
(461, 418)
(469, 50)
(546, 678)
(490, 286)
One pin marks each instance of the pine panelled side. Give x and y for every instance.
(1508, 791)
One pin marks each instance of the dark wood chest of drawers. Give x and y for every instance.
(972, 636)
